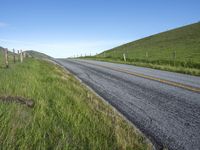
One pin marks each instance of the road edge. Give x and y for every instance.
(147, 139)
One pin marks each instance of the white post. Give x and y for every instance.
(14, 55)
(124, 55)
(21, 56)
(24, 53)
(147, 55)
(6, 57)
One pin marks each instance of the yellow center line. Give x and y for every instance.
(172, 83)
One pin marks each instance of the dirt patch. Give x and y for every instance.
(17, 99)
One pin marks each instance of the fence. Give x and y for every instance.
(9, 57)
(172, 58)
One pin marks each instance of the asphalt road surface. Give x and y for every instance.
(165, 106)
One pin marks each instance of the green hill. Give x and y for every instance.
(36, 54)
(178, 47)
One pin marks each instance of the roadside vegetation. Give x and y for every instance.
(176, 50)
(63, 114)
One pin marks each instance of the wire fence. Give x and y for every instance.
(172, 58)
(9, 57)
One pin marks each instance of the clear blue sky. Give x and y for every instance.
(63, 28)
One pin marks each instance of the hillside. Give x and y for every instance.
(36, 54)
(175, 48)
(185, 41)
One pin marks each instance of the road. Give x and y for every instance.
(165, 106)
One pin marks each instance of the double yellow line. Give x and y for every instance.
(172, 83)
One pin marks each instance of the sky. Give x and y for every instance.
(67, 28)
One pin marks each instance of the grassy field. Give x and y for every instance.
(175, 50)
(65, 114)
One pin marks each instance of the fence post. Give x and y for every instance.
(14, 60)
(124, 55)
(24, 54)
(21, 56)
(6, 57)
(174, 57)
(18, 55)
(147, 55)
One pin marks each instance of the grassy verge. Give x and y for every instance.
(65, 115)
(155, 65)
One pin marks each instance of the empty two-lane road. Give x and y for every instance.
(163, 105)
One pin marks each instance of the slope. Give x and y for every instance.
(176, 50)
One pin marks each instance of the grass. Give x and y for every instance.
(179, 69)
(176, 50)
(66, 115)
(38, 54)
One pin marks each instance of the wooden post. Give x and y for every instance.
(124, 55)
(21, 56)
(147, 55)
(18, 55)
(6, 57)
(24, 54)
(14, 60)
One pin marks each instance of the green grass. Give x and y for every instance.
(65, 116)
(38, 54)
(179, 69)
(157, 51)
